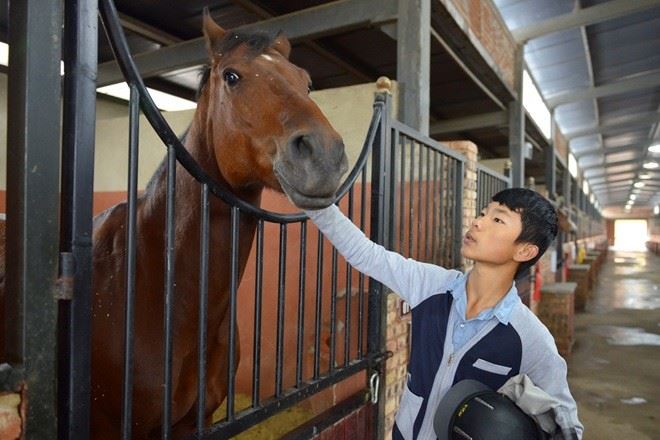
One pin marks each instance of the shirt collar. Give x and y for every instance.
(502, 310)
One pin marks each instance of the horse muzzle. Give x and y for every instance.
(310, 172)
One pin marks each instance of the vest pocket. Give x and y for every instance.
(409, 407)
(491, 367)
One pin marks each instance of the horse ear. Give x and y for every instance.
(282, 45)
(213, 32)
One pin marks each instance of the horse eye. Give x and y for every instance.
(231, 77)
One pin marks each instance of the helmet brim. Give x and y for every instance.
(458, 394)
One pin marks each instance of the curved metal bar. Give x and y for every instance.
(122, 53)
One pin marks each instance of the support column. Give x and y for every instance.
(566, 188)
(33, 158)
(517, 125)
(551, 161)
(413, 69)
(78, 120)
(551, 172)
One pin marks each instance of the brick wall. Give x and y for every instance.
(398, 334)
(485, 27)
(556, 311)
(10, 416)
(470, 151)
(561, 146)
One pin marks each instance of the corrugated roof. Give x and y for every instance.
(616, 129)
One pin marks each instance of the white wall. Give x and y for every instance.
(349, 110)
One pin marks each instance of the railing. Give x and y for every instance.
(426, 198)
(405, 191)
(489, 183)
(358, 353)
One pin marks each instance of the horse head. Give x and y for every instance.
(263, 127)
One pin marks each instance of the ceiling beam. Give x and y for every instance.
(594, 14)
(635, 121)
(612, 186)
(484, 120)
(627, 85)
(608, 177)
(330, 55)
(147, 31)
(325, 19)
(608, 182)
(605, 152)
(611, 164)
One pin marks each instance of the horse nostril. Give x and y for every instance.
(301, 147)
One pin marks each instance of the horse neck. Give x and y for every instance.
(188, 208)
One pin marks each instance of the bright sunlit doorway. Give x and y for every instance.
(630, 235)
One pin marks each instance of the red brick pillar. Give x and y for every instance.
(579, 273)
(10, 416)
(556, 311)
(398, 334)
(470, 151)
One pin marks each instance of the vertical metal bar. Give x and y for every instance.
(377, 301)
(517, 122)
(411, 207)
(480, 178)
(361, 277)
(402, 186)
(203, 307)
(319, 306)
(435, 212)
(444, 188)
(301, 304)
(33, 133)
(347, 316)
(333, 311)
(169, 291)
(458, 213)
(420, 170)
(485, 192)
(392, 188)
(131, 237)
(426, 209)
(233, 293)
(258, 293)
(281, 292)
(80, 61)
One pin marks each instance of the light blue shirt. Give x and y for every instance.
(465, 329)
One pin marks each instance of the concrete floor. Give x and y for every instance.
(614, 370)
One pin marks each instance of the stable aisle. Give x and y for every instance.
(614, 371)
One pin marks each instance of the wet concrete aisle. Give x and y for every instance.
(614, 371)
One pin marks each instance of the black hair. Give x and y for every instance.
(257, 42)
(538, 217)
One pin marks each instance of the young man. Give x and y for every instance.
(467, 326)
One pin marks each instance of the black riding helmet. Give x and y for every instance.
(471, 410)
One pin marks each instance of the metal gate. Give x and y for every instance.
(405, 189)
(489, 183)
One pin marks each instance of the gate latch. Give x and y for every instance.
(374, 384)
(64, 283)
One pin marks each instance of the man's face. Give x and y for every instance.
(492, 235)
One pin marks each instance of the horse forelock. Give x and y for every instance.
(256, 42)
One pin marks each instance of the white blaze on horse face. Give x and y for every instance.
(268, 57)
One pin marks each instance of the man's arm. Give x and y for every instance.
(547, 369)
(411, 279)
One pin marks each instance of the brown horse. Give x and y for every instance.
(255, 126)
